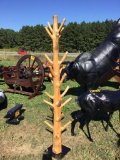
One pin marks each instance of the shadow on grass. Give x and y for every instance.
(110, 84)
(118, 142)
(76, 91)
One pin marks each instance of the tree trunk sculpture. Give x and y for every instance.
(57, 104)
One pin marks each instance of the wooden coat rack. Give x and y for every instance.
(57, 104)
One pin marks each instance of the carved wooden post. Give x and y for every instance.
(57, 106)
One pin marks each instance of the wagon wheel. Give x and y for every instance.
(30, 69)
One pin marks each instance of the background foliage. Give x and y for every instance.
(75, 37)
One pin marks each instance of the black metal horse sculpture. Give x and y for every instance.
(88, 68)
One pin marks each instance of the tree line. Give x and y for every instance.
(75, 37)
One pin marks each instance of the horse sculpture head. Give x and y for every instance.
(71, 70)
(66, 70)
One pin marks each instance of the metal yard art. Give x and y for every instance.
(89, 68)
(26, 77)
(14, 116)
(94, 101)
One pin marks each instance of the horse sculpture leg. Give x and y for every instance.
(90, 80)
(88, 130)
(108, 123)
(73, 127)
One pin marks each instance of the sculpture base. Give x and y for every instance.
(15, 121)
(48, 154)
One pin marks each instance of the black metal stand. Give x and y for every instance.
(15, 121)
(48, 154)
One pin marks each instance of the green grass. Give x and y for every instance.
(29, 139)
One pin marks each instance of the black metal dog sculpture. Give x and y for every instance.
(88, 68)
(92, 101)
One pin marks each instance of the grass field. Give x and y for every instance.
(29, 139)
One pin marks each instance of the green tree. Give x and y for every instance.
(7, 38)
